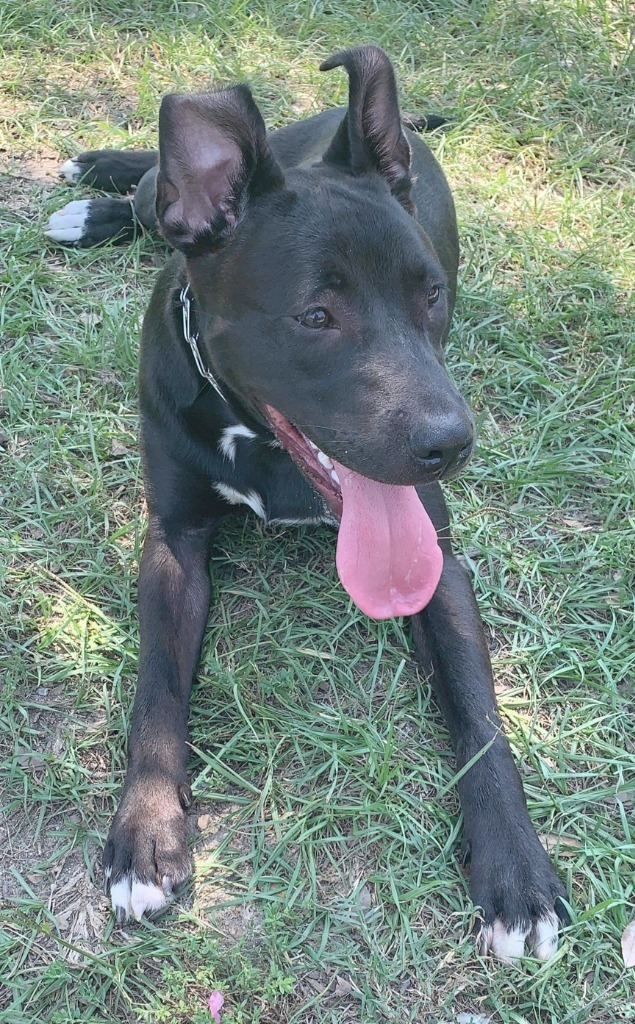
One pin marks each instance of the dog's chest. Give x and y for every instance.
(251, 469)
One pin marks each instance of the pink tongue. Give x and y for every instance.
(388, 558)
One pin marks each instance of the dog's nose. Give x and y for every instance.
(442, 450)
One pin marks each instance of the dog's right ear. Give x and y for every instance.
(213, 159)
(371, 135)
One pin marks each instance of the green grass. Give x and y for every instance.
(328, 887)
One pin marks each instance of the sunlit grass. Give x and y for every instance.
(328, 883)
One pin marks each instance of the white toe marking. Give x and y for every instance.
(235, 497)
(120, 894)
(70, 171)
(136, 897)
(68, 224)
(545, 942)
(75, 206)
(509, 944)
(145, 898)
(227, 443)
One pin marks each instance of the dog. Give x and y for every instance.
(292, 362)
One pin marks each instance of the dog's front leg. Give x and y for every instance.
(146, 853)
(511, 876)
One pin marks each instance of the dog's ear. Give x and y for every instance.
(213, 159)
(371, 137)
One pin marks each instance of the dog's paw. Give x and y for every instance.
(109, 170)
(146, 855)
(87, 222)
(514, 882)
(539, 936)
(93, 168)
(72, 171)
(69, 224)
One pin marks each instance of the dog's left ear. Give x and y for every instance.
(213, 161)
(371, 136)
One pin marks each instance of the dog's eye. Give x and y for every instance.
(433, 295)
(316, 318)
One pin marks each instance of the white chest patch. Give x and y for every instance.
(234, 497)
(227, 442)
(253, 500)
(300, 521)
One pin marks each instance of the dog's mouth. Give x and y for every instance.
(388, 557)
(317, 467)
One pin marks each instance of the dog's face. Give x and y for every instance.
(321, 303)
(333, 310)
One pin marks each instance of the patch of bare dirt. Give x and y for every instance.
(25, 179)
(40, 165)
(35, 861)
(214, 889)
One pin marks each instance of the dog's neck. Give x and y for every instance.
(191, 336)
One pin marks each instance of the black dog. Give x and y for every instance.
(292, 361)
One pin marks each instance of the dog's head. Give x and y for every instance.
(321, 303)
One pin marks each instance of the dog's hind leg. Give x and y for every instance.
(88, 222)
(109, 170)
(422, 122)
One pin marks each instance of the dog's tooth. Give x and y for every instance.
(324, 460)
(335, 478)
(311, 445)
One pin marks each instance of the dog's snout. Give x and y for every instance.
(444, 448)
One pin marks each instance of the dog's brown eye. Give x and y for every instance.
(433, 295)
(316, 318)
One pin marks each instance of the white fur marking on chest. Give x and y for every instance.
(298, 521)
(227, 442)
(235, 497)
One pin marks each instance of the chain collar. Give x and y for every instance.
(185, 298)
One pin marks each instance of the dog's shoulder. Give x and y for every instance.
(188, 428)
